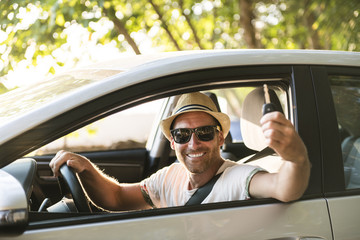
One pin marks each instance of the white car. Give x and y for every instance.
(110, 112)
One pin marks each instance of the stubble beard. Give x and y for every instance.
(200, 165)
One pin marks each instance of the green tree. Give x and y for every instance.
(3, 89)
(31, 30)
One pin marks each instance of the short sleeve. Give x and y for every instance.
(248, 179)
(152, 187)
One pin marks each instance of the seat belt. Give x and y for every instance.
(263, 153)
(202, 192)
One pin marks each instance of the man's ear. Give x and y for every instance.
(172, 144)
(221, 138)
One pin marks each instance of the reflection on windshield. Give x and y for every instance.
(22, 100)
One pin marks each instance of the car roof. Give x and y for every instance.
(204, 58)
(109, 76)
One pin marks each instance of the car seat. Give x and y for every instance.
(251, 115)
(351, 157)
(251, 129)
(228, 139)
(347, 111)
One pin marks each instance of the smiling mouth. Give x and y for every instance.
(195, 155)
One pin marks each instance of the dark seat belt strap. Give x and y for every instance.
(202, 192)
(263, 153)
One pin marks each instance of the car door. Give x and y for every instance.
(252, 219)
(338, 96)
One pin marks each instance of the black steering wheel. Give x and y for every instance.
(74, 186)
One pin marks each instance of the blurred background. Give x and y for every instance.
(40, 38)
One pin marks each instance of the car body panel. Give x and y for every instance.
(268, 221)
(345, 216)
(343, 204)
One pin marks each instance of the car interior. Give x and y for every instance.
(345, 96)
(65, 195)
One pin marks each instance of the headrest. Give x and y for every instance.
(213, 97)
(250, 117)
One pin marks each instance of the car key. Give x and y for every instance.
(268, 106)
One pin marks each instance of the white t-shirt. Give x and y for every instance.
(169, 186)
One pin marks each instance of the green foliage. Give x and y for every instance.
(31, 29)
(3, 89)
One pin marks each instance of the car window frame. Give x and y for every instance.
(333, 173)
(299, 77)
(305, 118)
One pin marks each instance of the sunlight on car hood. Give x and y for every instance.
(23, 100)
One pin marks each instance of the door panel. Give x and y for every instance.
(337, 91)
(345, 216)
(268, 221)
(124, 165)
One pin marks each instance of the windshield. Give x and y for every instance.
(25, 99)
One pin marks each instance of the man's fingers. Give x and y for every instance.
(75, 164)
(281, 135)
(274, 116)
(60, 158)
(52, 162)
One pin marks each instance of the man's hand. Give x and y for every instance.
(75, 161)
(281, 136)
(292, 179)
(103, 190)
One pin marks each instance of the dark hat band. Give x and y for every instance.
(193, 107)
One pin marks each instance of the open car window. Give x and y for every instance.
(128, 129)
(113, 143)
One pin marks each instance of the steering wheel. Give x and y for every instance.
(74, 186)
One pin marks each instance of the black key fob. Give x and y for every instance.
(268, 106)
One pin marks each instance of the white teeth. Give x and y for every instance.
(196, 155)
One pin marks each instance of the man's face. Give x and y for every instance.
(197, 156)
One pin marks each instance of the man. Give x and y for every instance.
(196, 131)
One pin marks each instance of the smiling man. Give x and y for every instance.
(196, 131)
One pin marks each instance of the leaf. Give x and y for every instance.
(60, 20)
(52, 70)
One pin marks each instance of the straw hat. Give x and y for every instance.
(195, 102)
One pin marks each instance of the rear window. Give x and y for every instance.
(346, 96)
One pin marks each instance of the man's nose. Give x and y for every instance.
(193, 140)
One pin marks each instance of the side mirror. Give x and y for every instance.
(13, 205)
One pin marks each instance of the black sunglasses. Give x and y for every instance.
(204, 133)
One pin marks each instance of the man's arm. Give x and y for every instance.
(103, 190)
(292, 179)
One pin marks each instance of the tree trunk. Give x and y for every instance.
(246, 18)
(164, 25)
(188, 20)
(122, 30)
(310, 19)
